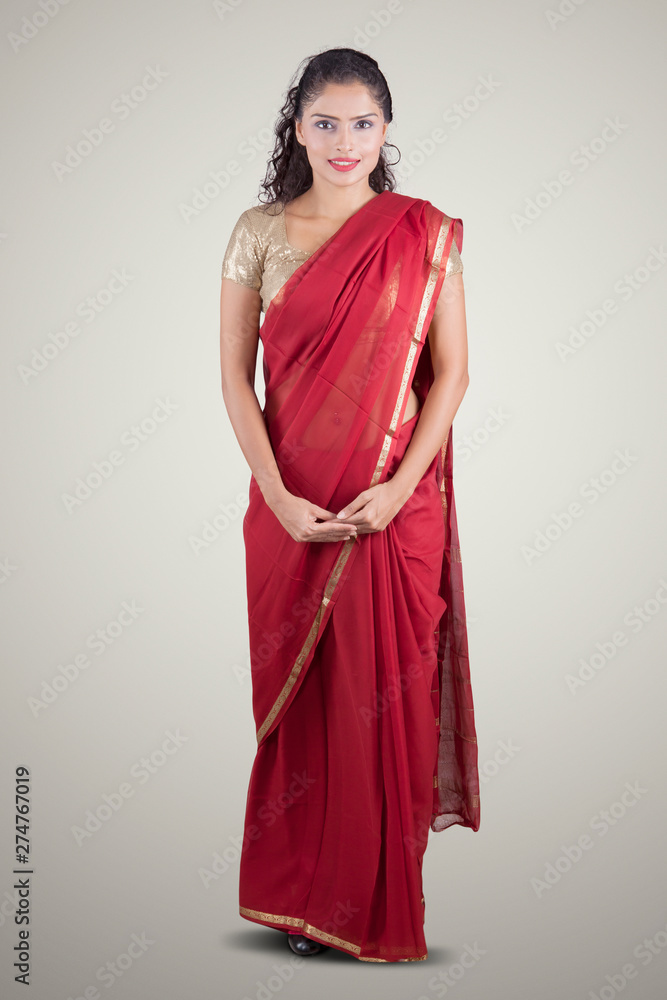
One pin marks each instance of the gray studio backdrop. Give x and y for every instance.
(135, 134)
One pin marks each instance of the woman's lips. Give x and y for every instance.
(343, 164)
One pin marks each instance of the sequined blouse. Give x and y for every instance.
(258, 254)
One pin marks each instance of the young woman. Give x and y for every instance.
(361, 685)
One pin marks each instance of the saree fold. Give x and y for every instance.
(361, 687)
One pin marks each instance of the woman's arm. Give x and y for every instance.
(448, 343)
(239, 337)
(448, 340)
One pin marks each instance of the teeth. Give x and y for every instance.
(344, 163)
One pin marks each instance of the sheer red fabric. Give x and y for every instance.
(361, 686)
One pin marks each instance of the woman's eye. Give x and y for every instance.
(363, 122)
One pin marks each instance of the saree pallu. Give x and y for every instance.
(361, 686)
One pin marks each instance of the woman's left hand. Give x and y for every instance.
(373, 509)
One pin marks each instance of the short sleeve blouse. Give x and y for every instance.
(259, 256)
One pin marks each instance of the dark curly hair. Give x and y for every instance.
(289, 173)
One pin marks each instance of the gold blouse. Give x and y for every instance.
(258, 254)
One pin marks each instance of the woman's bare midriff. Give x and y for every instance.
(412, 406)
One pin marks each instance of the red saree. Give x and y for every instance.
(361, 685)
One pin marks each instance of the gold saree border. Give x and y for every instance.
(346, 548)
(416, 340)
(310, 639)
(322, 936)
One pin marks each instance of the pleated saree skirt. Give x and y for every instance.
(341, 793)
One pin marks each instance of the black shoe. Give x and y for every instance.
(301, 945)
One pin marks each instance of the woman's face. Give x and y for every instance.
(343, 123)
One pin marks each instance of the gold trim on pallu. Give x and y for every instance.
(321, 936)
(347, 545)
(310, 639)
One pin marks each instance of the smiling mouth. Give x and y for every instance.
(344, 163)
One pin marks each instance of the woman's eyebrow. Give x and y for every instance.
(319, 114)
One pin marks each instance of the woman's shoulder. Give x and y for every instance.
(443, 230)
(259, 224)
(425, 208)
(436, 210)
(262, 214)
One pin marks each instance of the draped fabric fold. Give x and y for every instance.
(361, 685)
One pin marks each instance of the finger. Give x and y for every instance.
(331, 516)
(322, 511)
(330, 520)
(329, 530)
(351, 508)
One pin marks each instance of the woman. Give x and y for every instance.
(361, 685)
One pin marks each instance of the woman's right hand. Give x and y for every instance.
(306, 522)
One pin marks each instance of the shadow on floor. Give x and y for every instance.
(272, 941)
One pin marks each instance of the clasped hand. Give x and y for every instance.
(371, 510)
